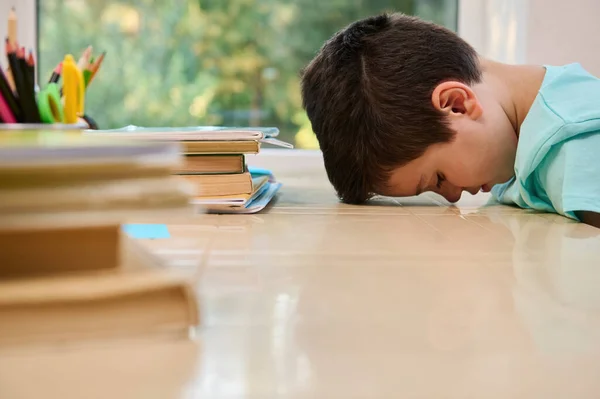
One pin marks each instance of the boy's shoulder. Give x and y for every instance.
(567, 106)
(571, 93)
(561, 131)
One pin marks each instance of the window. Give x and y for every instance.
(190, 62)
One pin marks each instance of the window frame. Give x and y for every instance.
(496, 28)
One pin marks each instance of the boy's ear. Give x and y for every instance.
(455, 98)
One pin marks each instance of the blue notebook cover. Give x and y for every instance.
(260, 172)
(146, 231)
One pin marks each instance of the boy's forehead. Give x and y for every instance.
(406, 181)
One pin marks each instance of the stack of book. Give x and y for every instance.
(215, 163)
(67, 269)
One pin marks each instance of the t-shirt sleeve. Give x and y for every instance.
(569, 175)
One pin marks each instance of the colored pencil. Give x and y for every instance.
(15, 70)
(21, 56)
(6, 114)
(87, 76)
(12, 26)
(9, 97)
(96, 66)
(31, 69)
(85, 58)
(56, 74)
(10, 79)
(24, 92)
(29, 74)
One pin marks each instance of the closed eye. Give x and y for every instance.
(440, 180)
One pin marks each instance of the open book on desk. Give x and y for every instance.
(195, 133)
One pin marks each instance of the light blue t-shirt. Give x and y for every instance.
(557, 167)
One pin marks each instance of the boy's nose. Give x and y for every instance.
(452, 197)
(473, 190)
(451, 193)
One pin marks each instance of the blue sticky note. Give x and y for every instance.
(259, 172)
(254, 170)
(148, 231)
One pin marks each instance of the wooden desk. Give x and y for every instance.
(314, 299)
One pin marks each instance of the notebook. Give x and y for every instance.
(220, 184)
(208, 164)
(254, 206)
(259, 185)
(220, 147)
(194, 133)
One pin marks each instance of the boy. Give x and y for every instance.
(401, 106)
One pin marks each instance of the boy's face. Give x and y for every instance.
(481, 155)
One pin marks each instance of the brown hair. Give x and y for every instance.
(368, 93)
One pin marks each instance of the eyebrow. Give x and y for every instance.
(420, 185)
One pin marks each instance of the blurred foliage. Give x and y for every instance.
(205, 62)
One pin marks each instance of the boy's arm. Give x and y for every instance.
(587, 217)
(569, 178)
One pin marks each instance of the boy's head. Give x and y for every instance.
(398, 107)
